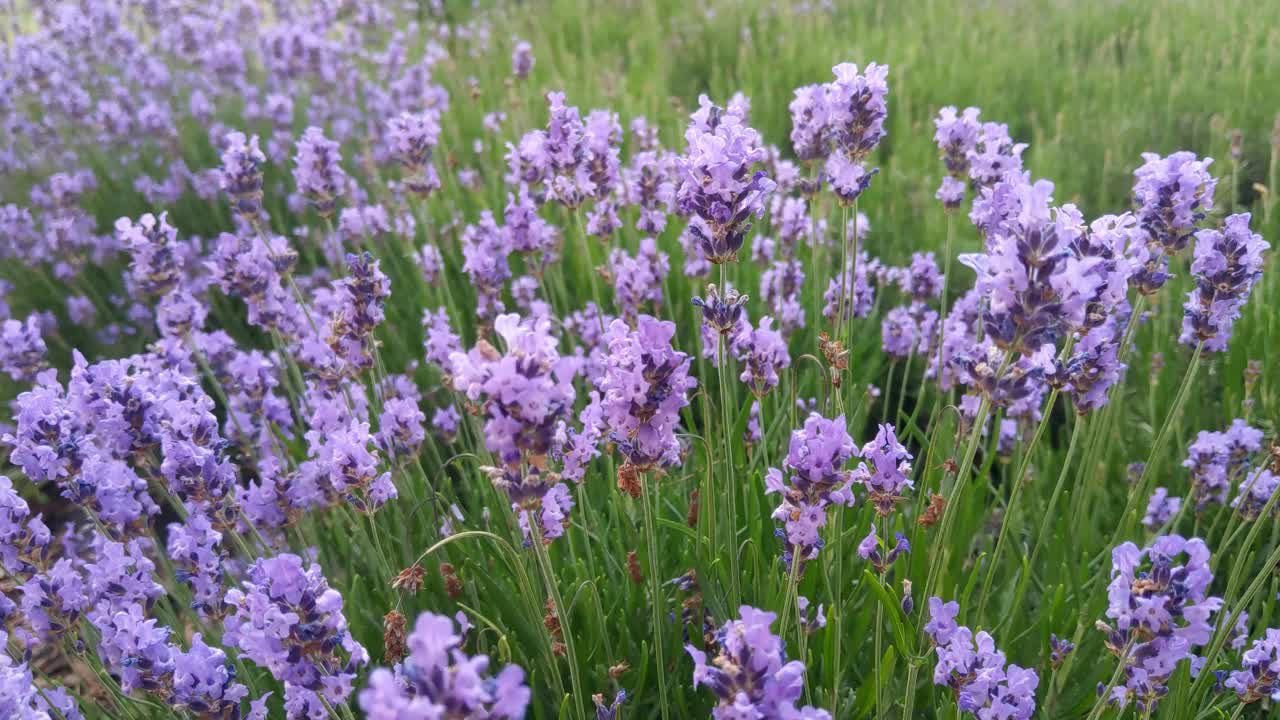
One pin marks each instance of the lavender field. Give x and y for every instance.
(569, 360)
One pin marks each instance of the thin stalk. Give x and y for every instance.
(647, 499)
(1013, 501)
(553, 589)
(884, 538)
(1048, 518)
(790, 595)
(1140, 488)
(731, 489)
(591, 270)
(948, 518)
(837, 608)
(1101, 703)
(888, 391)
(902, 387)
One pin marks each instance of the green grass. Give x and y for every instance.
(1089, 85)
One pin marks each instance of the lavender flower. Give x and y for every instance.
(814, 479)
(21, 698)
(1255, 492)
(438, 680)
(646, 383)
(882, 557)
(22, 348)
(1217, 459)
(899, 333)
(522, 60)
(950, 193)
(1059, 649)
(809, 122)
(204, 682)
(721, 313)
(750, 674)
(637, 280)
(995, 156)
(362, 297)
(317, 171)
(1227, 264)
(921, 280)
(287, 619)
(1172, 194)
(848, 178)
(1259, 675)
(400, 428)
(850, 292)
(976, 671)
(885, 471)
(439, 340)
(780, 288)
(763, 352)
(858, 107)
(957, 136)
(412, 138)
(1161, 508)
(717, 186)
(1094, 366)
(526, 392)
(650, 185)
(1037, 288)
(526, 231)
(24, 540)
(156, 265)
(1162, 610)
(754, 433)
(485, 249)
(241, 177)
(193, 546)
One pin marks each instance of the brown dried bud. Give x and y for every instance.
(629, 480)
(837, 357)
(933, 513)
(694, 507)
(951, 466)
(633, 567)
(452, 583)
(393, 625)
(551, 621)
(410, 579)
(617, 671)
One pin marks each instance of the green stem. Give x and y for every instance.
(837, 608)
(948, 518)
(731, 489)
(1048, 518)
(591, 270)
(1013, 501)
(1101, 703)
(647, 499)
(553, 589)
(1140, 488)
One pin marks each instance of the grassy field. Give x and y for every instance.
(1090, 86)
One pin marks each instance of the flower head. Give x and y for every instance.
(646, 383)
(1227, 264)
(749, 673)
(717, 185)
(317, 171)
(438, 680)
